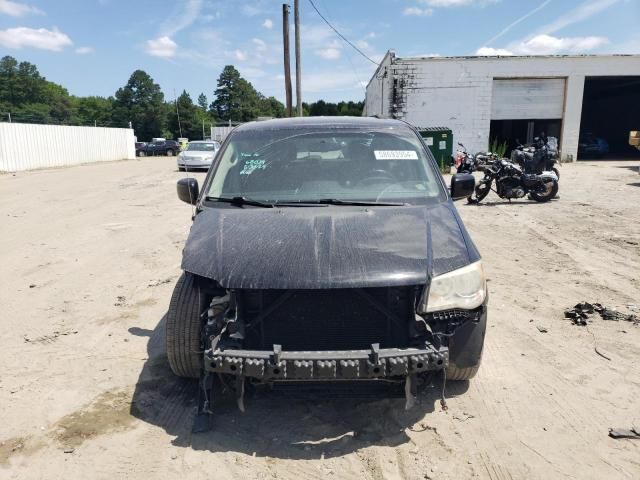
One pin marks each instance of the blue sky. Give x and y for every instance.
(92, 46)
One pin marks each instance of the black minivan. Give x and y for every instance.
(325, 249)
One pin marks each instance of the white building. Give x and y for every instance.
(509, 98)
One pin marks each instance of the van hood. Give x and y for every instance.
(326, 247)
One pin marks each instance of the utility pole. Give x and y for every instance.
(296, 19)
(287, 61)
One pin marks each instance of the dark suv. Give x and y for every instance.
(166, 147)
(325, 250)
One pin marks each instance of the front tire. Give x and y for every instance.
(482, 190)
(184, 327)
(465, 349)
(169, 153)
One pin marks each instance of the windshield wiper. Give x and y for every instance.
(362, 203)
(241, 201)
(258, 203)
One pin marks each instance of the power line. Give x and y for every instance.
(340, 35)
(353, 67)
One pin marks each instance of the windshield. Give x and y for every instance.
(202, 147)
(314, 163)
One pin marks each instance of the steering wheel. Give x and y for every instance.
(377, 175)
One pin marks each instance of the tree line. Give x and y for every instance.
(28, 97)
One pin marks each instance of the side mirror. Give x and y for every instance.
(462, 185)
(188, 190)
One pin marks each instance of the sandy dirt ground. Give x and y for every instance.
(89, 256)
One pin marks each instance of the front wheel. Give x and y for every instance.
(169, 153)
(550, 191)
(465, 349)
(482, 190)
(141, 154)
(184, 327)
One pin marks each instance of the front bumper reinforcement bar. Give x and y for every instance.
(330, 365)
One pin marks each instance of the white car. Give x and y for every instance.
(198, 154)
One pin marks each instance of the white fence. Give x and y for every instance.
(220, 133)
(25, 146)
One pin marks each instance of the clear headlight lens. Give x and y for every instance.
(463, 288)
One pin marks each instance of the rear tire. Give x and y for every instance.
(141, 154)
(184, 327)
(170, 153)
(465, 350)
(550, 192)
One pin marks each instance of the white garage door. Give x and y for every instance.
(531, 98)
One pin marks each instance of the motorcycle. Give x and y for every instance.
(468, 163)
(464, 161)
(512, 182)
(536, 158)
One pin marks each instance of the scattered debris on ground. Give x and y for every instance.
(582, 312)
(160, 282)
(633, 432)
(121, 301)
(542, 329)
(49, 338)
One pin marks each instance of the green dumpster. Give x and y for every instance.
(440, 142)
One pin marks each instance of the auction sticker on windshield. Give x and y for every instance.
(395, 155)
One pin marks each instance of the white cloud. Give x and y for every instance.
(15, 9)
(582, 12)
(21, 37)
(183, 18)
(547, 45)
(240, 55)
(84, 50)
(492, 52)
(457, 3)
(329, 53)
(162, 47)
(417, 12)
(260, 44)
(268, 24)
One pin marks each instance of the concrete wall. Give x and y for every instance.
(26, 146)
(456, 92)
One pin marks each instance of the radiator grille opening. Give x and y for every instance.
(338, 319)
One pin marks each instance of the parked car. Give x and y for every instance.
(140, 146)
(325, 249)
(198, 154)
(164, 147)
(592, 146)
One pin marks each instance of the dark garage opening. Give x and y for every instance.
(610, 109)
(513, 132)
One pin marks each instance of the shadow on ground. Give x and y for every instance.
(275, 426)
(515, 202)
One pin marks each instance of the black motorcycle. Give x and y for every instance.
(536, 158)
(511, 182)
